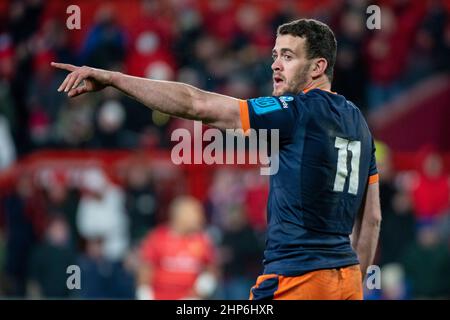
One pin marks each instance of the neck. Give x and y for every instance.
(320, 83)
(176, 229)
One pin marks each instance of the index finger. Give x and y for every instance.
(64, 66)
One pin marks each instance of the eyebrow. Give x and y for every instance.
(283, 50)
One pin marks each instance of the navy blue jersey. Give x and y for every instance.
(326, 156)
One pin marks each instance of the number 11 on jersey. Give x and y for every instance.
(344, 146)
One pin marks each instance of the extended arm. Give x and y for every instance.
(177, 99)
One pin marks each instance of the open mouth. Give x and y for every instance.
(277, 80)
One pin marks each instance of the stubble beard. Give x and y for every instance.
(296, 85)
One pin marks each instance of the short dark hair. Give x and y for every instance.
(320, 40)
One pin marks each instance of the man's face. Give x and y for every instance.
(290, 65)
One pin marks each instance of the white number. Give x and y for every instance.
(343, 146)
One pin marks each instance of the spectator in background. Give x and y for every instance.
(24, 18)
(110, 132)
(429, 52)
(255, 203)
(105, 44)
(141, 202)
(350, 69)
(241, 252)
(62, 200)
(398, 231)
(49, 262)
(177, 259)
(219, 19)
(74, 126)
(431, 192)
(43, 104)
(253, 30)
(48, 43)
(53, 36)
(427, 262)
(103, 278)
(151, 34)
(207, 52)
(101, 214)
(393, 282)
(225, 193)
(387, 50)
(20, 237)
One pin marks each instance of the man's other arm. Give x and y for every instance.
(367, 228)
(174, 98)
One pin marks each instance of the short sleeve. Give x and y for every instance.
(373, 171)
(270, 113)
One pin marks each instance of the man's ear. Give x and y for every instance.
(319, 67)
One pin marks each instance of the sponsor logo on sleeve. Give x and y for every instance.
(265, 105)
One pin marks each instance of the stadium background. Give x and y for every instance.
(398, 76)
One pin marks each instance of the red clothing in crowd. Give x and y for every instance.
(255, 205)
(387, 51)
(431, 196)
(177, 261)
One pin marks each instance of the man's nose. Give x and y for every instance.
(276, 65)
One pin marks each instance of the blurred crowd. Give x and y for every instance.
(127, 239)
(414, 245)
(220, 45)
(125, 236)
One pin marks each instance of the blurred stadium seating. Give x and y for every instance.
(398, 76)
